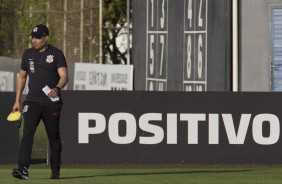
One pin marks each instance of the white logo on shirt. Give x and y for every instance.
(31, 66)
(49, 59)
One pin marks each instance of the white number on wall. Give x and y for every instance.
(200, 56)
(200, 19)
(152, 57)
(189, 60)
(190, 12)
(163, 15)
(152, 13)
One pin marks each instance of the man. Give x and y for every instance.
(47, 68)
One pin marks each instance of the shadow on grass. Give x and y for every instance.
(159, 173)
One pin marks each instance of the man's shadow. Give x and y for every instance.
(156, 173)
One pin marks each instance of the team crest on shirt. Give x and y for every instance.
(49, 59)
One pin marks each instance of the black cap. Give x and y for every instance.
(39, 30)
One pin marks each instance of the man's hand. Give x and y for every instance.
(17, 106)
(54, 92)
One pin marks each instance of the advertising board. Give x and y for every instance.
(105, 127)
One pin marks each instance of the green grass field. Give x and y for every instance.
(152, 174)
(140, 174)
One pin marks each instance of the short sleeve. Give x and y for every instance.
(61, 60)
(24, 62)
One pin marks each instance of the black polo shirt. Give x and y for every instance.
(42, 68)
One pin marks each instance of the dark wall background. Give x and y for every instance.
(219, 45)
(9, 133)
(216, 56)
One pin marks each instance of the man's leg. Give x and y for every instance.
(51, 119)
(32, 115)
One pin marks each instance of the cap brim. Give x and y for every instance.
(36, 35)
(14, 116)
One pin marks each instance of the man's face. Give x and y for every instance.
(39, 43)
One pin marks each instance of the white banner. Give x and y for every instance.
(102, 77)
(6, 81)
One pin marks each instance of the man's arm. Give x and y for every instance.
(20, 87)
(64, 78)
(63, 73)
